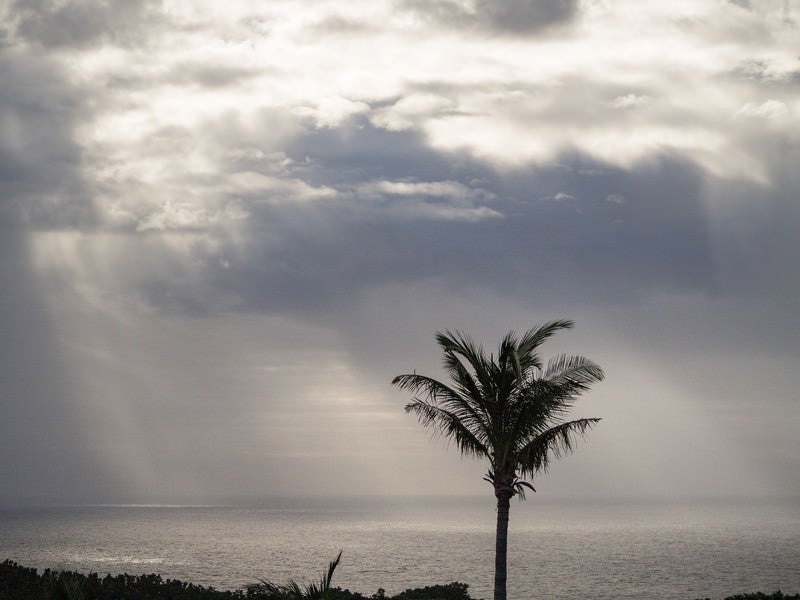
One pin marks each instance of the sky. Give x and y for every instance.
(226, 226)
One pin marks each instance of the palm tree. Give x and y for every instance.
(507, 410)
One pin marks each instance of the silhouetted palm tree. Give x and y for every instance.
(507, 409)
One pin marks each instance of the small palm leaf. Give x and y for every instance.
(519, 487)
(267, 590)
(325, 582)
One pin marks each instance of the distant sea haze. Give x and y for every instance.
(557, 550)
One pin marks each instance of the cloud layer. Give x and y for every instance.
(213, 208)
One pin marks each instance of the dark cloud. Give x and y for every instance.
(190, 75)
(560, 230)
(520, 16)
(611, 229)
(517, 17)
(79, 23)
(41, 182)
(358, 151)
(212, 76)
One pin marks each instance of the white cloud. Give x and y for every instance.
(624, 83)
(410, 111)
(416, 210)
(447, 200)
(443, 189)
(630, 101)
(264, 188)
(769, 109)
(332, 111)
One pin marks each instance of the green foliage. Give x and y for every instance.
(451, 591)
(69, 586)
(762, 596)
(23, 583)
(17, 582)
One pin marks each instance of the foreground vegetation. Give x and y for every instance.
(762, 596)
(24, 583)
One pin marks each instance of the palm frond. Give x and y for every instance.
(416, 383)
(325, 582)
(457, 343)
(448, 424)
(554, 442)
(520, 486)
(576, 370)
(267, 590)
(535, 337)
(461, 376)
(457, 401)
(546, 398)
(508, 355)
(535, 407)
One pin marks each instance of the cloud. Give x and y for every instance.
(209, 75)
(629, 101)
(310, 257)
(41, 176)
(769, 109)
(443, 189)
(411, 111)
(525, 15)
(250, 157)
(448, 200)
(333, 111)
(225, 213)
(505, 16)
(79, 23)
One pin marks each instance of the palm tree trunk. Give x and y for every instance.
(501, 547)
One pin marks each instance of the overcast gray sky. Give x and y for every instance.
(225, 226)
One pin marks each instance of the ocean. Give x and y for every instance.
(557, 549)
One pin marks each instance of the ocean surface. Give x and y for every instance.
(557, 550)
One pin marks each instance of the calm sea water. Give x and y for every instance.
(556, 550)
